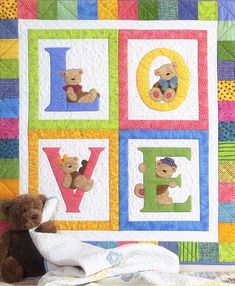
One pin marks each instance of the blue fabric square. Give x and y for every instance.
(188, 10)
(8, 29)
(226, 10)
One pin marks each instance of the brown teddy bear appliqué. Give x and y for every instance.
(165, 168)
(75, 94)
(165, 89)
(74, 178)
(19, 257)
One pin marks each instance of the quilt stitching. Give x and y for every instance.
(71, 13)
(226, 8)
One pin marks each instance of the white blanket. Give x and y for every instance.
(72, 262)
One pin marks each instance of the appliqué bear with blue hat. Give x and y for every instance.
(165, 89)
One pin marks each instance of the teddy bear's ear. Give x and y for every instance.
(80, 71)
(63, 73)
(174, 65)
(5, 206)
(43, 198)
(173, 169)
(157, 72)
(158, 162)
(75, 158)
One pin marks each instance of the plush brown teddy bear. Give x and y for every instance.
(165, 89)
(74, 179)
(19, 257)
(72, 78)
(165, 168)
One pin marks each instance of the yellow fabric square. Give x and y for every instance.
(108, 9)
(8, 9)
(9, 49)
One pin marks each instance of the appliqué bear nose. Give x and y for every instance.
(70, 166)
(73, 78)
(164, 171)
(34, 216)
(168, 73)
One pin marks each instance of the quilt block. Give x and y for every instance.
(118, 121)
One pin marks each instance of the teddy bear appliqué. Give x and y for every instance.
(165, 89)
(74, 178)
(75, 94)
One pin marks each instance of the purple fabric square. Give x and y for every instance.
(226, 70)
(188, 10)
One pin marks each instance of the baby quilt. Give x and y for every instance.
(119, 120)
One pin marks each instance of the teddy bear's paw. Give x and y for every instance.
(11, 270)
(169, 95)
(139, 190)
(47, 227)
(163, 200)
(156, 94)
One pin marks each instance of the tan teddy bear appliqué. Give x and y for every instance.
(165, 168)
(74, 178)
(75, 94)
(165, 89)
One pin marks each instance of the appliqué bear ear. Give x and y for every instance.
(174, 65)
(43, 198)
(5, 206)
(80, 71)
(157, 72)
(75, 158)
(158, 162)
(63, 73)
(174, 169)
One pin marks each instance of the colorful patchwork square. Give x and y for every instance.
(163, 185)
(80, 168)
(72, 78)
(161, 84)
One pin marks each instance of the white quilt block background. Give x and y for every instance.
(95, 203)
(189, 171)
(137, 49)
(89, 54)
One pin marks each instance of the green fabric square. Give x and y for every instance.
(67, 10)
(168, 10)
(47, 9)
(207, 10)
(226, 50)
(148, 10)
(226, 31)
(208, 252)
(188, 251)
(9, 168)
(227, 252)
(9, 68)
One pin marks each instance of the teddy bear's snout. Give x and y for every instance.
(73, 78)
(167, 73)
(34, 216)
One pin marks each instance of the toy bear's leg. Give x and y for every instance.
(47, 227)
(89, 96)
(11, 270)
(84, 183)
(164, 199)
(156, 94)
(169, 95)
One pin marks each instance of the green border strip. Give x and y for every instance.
(33, 67)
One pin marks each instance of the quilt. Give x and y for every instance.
(119, 120)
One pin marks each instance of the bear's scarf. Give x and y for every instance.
(172, 83)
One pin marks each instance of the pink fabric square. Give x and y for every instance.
(226, 110)
(27, 9)
(128, 9)
(226, 192)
